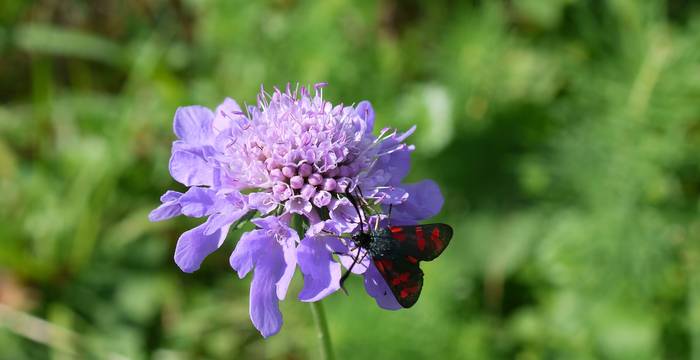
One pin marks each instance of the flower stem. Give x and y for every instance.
(317, 311)
(324, 335)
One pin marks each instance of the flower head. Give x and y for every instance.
(293, 154)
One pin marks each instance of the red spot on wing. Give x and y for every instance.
(397, 233)
(402, 278)
(411, 259)
(384, 265)
(435, 239)
(408, 291)
(420, 237)
(380, 266)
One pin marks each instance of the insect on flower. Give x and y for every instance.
(288, 160)
(396, 251)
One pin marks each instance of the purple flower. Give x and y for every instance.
(294, 154)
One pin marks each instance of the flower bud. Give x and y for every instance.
(305, 170)
(289, 171)
(296, 182)
(329, 184)
(315, 179)
(322, 198)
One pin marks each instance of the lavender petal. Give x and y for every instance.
(169, 208)
(191, 169)
(193, 246)
(258, 249)
(198, 202)
(425, 201)
(321, 272)
(193, 124)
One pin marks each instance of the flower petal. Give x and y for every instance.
(284, 238)
(220, 220)
(260, 250)
(268, 222)
(263, 202)
(190, 168)
(225, 113)
(390, 169)
(298, 204)
(169, 208)
(366, 112)
(290, 260)
(397, 164)
(193, 124)
(193, 246)
(264, 303)
(376, 287)
(425, 201)
(228, 208)
(198, 202)
(344, 215)
(391, 195)
(170, 195)
(251, 243)
(321, 272)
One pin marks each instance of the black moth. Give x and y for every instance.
(397, 252)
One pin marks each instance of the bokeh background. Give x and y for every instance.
(565, 135)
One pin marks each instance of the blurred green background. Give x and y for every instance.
(565, 135)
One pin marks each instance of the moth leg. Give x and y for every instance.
(389, 216)
(347, 273)
(330, 234)
(349, 270)
(344, 253)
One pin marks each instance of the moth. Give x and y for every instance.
(397, 251)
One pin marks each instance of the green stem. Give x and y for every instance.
(324, 336)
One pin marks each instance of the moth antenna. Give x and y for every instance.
(357, 209)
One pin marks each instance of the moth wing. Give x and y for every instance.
(405, 278)
(422, 242)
